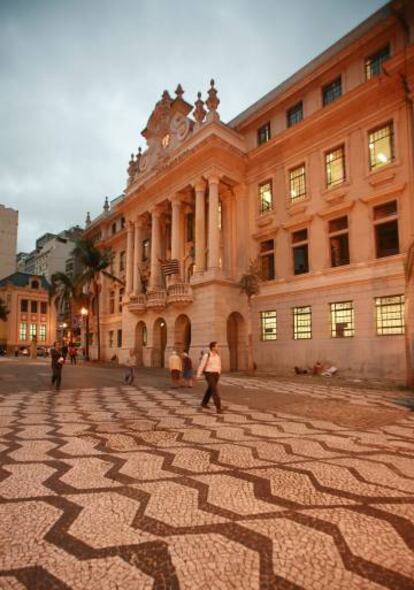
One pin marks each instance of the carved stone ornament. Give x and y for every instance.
(213, 101)
(199, 110)
(106, 206)
(88, 219)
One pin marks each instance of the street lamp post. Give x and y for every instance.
(85, 315)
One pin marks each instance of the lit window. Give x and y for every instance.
(263, 134)
(295, 114)
(335, 166)
(265, 196)
(342, 319)
(297, 179)
(381, 146)
(300, 252)
(332, 91)
(23, 331)
(390, 315)
(111, 339)
(267, 260)
(302, 323)
(338, 241)
(373, 63)
(268, 325)
(42, 332)
(33, 331)
(119, 338)
(386, 229)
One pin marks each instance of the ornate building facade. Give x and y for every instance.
(315, 180)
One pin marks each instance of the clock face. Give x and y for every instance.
(165, 141)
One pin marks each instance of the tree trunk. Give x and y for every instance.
(250, 358)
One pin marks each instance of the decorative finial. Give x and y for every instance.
(88, 219)
(106, 205)
(199, 110)
(213, 101)
(179, 91)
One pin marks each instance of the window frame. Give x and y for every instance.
(260, 186)
(370, 58)
(265, 254)
(373, 167)
(326, 88)
(385, 220)
(331, 185)
(23, 332)
(301, 196)
(263, 321)
(291, 112)
(300, 244)
(379, 306)
(296, 314)
(333, 234)
(266, 127)
(42, 332)
(334, 324)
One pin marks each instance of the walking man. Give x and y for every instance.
(57, 364)
(175, 366)
(211, 367)
(129, 377)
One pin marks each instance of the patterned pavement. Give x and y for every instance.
(136, 487)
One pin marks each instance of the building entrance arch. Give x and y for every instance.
(182, 334)
(159, 342)
(140, 342)
(236, 341)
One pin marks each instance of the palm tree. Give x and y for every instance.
(249, 284)
(93, 263)
(4, 312)
(409, 274)
(67, 293)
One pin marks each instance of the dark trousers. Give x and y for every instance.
(72, 359)
(57, 377)
(129, 376)
(212, 383)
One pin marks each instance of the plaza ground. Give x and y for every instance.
(301, 483)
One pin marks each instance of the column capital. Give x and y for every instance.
(130, 226)
(155, 211)
(176, 200)
(139, 221)
(199, 185)
(213, 178)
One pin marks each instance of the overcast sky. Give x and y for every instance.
(79, 79)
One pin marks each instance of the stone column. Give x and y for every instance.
(155, 249)
(213, 223)
(129, 258)
(200, 226)
(227, 234)
(137, 255)
(175, 228)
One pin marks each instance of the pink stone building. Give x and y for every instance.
(315, 180)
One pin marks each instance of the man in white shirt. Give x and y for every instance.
(210, 365)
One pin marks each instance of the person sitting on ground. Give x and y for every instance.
(175, 366)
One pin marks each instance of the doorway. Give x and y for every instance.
(159, 343)
(236, 340)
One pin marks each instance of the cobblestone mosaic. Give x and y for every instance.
(136, 487)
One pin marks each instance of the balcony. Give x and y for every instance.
(180, 294)
(156, 299)
(137, 303)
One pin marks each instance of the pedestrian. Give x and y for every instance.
(57, 364)
(64, 351)
(129, 377)
(210, 366)
(73, 352)
(175, 366)
(187, 370)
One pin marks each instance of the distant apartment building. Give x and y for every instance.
(8, 240)
(52, 254)
(314, 181)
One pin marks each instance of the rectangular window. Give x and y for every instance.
(373, 63)
(381, 146)
(300, 252)
(268, 325)
(386, 210)
(267, 260)
(332, 91)
(335, 166)
(265, 196)
(297, 181)
(342, 319)
(120, 298)
(113, 228)
(390, 315)
(122, 261)
(190, 227)
(43, 307)
(112, 302)
(386, 239)
(119, 338)
(263, 134)
(295, 114)
(339, 241)
(23, 331)
(42, 332)
(33, 307)
(111, 339)
(33, 331)
(145, 250)
(302, 323)
(24, 305)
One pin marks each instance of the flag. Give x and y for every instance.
(170, 267)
